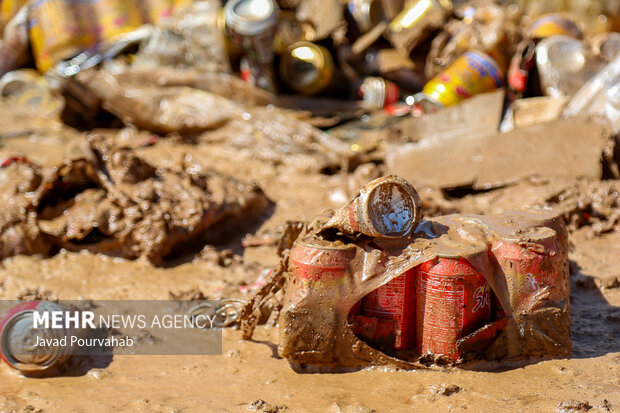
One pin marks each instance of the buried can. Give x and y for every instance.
(387, 207)
(472, 73)
(322, 265)
(307, 68)
(19, 338)
(453, 300)
(394, 301)
(534, 266)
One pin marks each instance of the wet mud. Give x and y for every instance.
(251, 375)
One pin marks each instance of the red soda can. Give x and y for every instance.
(534, 265)
(321, 264)
(395, 301)
(453, 300)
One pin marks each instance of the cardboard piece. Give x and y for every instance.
(562, 148)
(479, 115)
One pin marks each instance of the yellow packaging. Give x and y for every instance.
(472, 73)
(554, 24)
(8, 9)
(155, 11)
(115, 17)
(56, 32)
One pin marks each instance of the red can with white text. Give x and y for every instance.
(453, 300)
(395, 301)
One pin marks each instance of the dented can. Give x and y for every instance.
(533, 265)
(19, 337)
(453, 300)
(472, 73)
(394, 301)
(322, 265)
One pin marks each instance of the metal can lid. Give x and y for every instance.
(18, 339)
(251, 17)
(392, 206)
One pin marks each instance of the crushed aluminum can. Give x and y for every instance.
(472, 73)
(561, 63)
(394, 301)
(387, 207)
(18, 339)
(453, 300)
(554, 24)
(307, 68)
(408, 28)
(377, 93)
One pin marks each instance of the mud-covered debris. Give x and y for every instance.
(573, 406)
(114, 202)
(340, 407)
(589, 203)
(444, 389)
(19, 233)
(275, 136)
(261, 302)
(263, 407)
(224, 258)
(193, 294)
(162, 109)
(35, 294)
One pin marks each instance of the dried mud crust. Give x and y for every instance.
(114, 202)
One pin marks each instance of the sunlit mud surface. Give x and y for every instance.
(250, 376)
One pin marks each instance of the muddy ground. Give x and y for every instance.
(250, 376)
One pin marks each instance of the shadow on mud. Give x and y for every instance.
(595, 324)
(227, 234)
